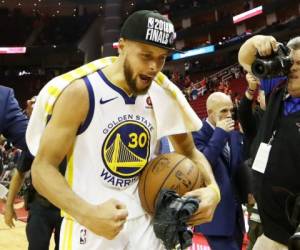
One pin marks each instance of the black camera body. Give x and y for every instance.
(294, 241)
(184, 207)
(172, 213)
(275, 65)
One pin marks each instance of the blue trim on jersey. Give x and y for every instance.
(89, 117)
(127, 99)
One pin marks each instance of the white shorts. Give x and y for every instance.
(137, 234)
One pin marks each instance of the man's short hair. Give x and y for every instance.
(294, 43)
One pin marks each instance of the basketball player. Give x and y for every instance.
(105, 126)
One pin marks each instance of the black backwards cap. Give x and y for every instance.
(149, 27)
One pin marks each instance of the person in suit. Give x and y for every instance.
(13, 122)
(43, 217)
(222, 146)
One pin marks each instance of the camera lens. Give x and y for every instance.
(263, 68)
(260, 68)
(277, 64)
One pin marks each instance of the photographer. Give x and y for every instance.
(276, 146)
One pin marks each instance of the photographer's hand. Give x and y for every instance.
(262, 45)
(265, 45)
(253, 83)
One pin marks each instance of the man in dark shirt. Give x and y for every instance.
(43, 217)
(249, 119)
(277, 145)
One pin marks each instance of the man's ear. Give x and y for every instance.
(121, 46)
(209, 111)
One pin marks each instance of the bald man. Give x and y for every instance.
(222, 146)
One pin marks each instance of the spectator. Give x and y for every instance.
(13, 122)
(194, 91)
(222, 146)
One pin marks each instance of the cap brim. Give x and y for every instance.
(156, 45)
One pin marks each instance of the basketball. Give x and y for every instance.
(173, 171)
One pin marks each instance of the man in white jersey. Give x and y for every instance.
(105, 126)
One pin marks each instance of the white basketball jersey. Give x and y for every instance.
(113, 146)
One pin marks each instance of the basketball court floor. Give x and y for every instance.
(15, 238)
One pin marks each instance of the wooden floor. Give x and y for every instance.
(14, 239)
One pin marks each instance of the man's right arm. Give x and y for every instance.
(23, 165)
(69, 113)
(14, 188)
(245, 113)
(56, 142)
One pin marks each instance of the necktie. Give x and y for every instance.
(226, 153)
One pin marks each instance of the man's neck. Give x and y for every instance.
(115, 74)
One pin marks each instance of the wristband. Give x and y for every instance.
(216, 189)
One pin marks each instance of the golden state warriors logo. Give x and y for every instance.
(126, 149)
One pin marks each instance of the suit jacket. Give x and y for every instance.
(211, 143)
(13, 122)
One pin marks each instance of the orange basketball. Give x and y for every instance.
(172, 171)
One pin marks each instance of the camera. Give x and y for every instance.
(172, 213)
(184, 207)
(294, 240)
(277, 64)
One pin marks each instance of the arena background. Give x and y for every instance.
(41, 39)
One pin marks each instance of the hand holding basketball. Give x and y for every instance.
(209, 198)
(173, 171)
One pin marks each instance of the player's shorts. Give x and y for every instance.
(137, 233)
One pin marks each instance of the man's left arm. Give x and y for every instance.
(209, 195)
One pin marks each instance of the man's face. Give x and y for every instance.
(221, 110)
(294, 76)
(142, 62)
